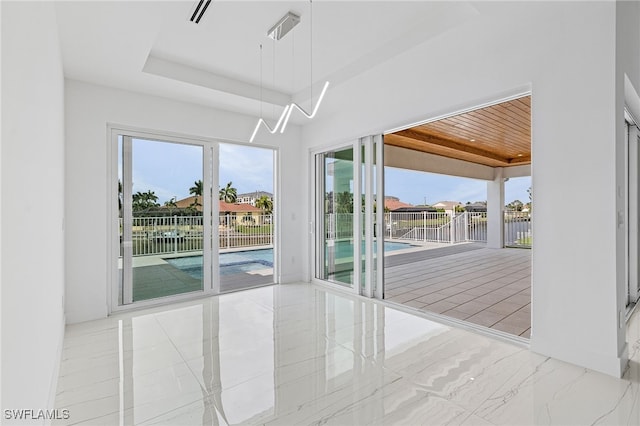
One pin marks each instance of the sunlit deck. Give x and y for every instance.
(486, 287)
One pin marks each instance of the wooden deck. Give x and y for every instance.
(486, 287)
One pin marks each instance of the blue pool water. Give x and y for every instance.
(252, 260)
(230, 263)
(344, 249)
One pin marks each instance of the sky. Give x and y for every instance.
(417, 187)
(170, 169)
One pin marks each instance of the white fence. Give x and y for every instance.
(440, 227)
(517, 229)
(179, 234)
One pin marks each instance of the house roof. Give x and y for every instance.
(447, 205)
(238, 208)
(394, 204)
(256, 194)
(224, 207)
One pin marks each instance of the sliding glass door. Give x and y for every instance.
(193, 216)
(346, 219)
(335, 200)
(162, 211)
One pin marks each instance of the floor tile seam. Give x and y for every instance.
(89, 421)
(184, 361)
(155, 417)
(78, 387)
(70, 407)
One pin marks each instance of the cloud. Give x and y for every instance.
(249, 168)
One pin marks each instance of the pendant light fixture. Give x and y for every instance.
(261, 119)
(277, 32)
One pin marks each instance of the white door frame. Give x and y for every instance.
(632, 212)
(370, 282)
(210, 179)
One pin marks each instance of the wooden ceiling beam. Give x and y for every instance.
(451, 144)
(524, 159)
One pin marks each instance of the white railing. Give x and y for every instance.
(245, 231)
(476, 226)
(418, 226)
(517, 229)
(464, 227)
(180, 234)
(338, 226)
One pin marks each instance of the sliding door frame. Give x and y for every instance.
(632, 210)
(369, 282)
(210, 180)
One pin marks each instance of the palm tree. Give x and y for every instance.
(171, 204)
(144, 200)
(196, 189)
(265, 203)
(229, 194)
(120, 197)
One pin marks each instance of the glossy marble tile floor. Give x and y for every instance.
(301, 354)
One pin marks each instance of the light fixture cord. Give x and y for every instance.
(273, 84)
(261, 80)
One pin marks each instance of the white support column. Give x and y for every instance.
(495, 207)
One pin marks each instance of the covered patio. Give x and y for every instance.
(483, 286)
(484, 283)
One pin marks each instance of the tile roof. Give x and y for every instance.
(391, 204)
(224, 207)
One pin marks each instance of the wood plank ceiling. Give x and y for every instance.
(497, 136)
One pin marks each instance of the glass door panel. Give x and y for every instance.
(245, 217)
(335, 208)
(162, 219)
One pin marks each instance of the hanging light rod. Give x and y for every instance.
(283, 26)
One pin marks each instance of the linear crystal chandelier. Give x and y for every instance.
(277, 32)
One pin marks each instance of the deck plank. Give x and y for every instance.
(487, 287)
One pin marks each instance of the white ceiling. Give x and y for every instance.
(152, 47)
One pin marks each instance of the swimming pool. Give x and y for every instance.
(252, 260)
(230, 263)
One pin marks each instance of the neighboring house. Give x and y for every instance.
(447, 206)
(415, 209)
(240, 213)
(252, 197)
(393, 204)
(189, 201)
(476, 207)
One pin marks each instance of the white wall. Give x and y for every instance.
(564, 52)
(627, 74)
(89, 108)
(32, 205)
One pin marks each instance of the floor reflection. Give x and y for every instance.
(299, 354)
